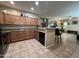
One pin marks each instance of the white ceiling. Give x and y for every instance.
(45, 8)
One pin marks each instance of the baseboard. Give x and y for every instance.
(49, 46)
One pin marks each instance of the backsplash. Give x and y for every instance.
(14, 27)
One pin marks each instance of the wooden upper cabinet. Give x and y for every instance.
(1, 18)
(25, 21)
(13, 19)
(28, 21)
(21, 20)
(8, 19)
(16, 20)
(36, 21)
(32, 21)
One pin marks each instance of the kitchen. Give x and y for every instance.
(24, 33)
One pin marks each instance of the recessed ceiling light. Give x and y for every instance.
(32, 8)
(12, 2)
(36, 3)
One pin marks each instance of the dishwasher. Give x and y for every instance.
(42, 38)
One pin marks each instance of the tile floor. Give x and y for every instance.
(33, 49)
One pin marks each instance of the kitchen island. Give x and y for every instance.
(48, 36)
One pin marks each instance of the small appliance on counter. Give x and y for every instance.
(44, 22)
(52, 24)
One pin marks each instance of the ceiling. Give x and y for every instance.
(45, 8)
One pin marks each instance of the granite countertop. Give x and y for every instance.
(8, 31)
(44, 29)
(11, 30)
(50, 28)
(41, 29)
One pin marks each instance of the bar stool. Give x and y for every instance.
(58, 38)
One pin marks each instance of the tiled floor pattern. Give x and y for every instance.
(33, 49)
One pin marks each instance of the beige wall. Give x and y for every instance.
(17, 12)
(73, 27)
(58, 20)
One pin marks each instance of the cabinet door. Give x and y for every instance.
(36, 35)
(31, 21)
(27, 34)
(13, 19)
(25, 20)
(21, 20)
(31, 34)
(21, 35)
(1, 18)
(16, 20)
(8, 19)
(14, 36)
(28, 21)
(36, 21)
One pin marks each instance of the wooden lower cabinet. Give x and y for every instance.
(21, 35)
(27, 35)
(31, 34)
(36, 35)
(13, 36)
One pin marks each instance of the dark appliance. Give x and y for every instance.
(74, 22)
(3, 43)
(44, 22)
(42, 38)
(77, 36)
